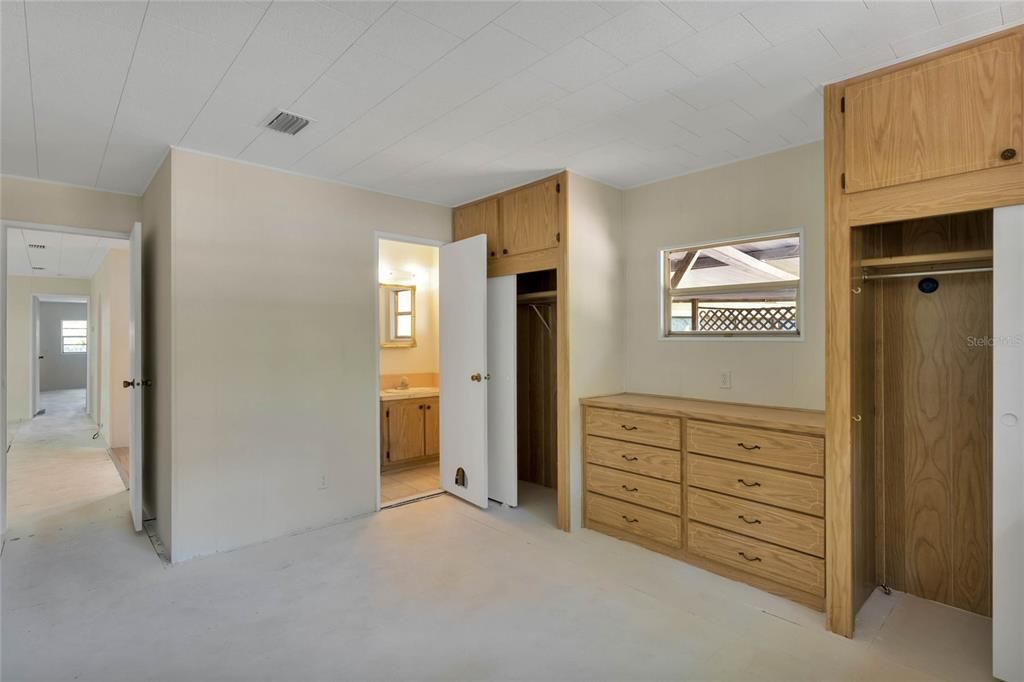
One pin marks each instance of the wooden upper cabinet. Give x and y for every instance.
(478, 218)
(530, 218)
(958, 113)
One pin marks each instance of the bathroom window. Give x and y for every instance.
(74, 336)
(398, 308)
(747, 287)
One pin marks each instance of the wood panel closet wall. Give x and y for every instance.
(916, 156)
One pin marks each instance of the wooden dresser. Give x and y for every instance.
(736, 489)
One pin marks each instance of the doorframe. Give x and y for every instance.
(378, 236)
(34, 391)
(43, 227)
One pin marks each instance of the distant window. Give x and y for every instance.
(399, 316)
(74, 336)
(735, 288)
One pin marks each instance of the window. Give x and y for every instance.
(398, 316)
(73, 336)
(736, 288)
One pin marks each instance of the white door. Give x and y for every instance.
(462, 288)
(1008, 445)
(135, 363)
(36, 357)
(503, 464)
(3, 385)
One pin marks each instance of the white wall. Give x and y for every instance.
(109, 361)
(273, 286)
(58, 370)
(420, 260)
(596, 308)
(769, 193)
(19, 336)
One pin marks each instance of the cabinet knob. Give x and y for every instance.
(504, 251)
(1008, 154)
(493, 254)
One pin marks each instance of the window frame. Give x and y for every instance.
(389, 300)
(665, 294)
(84, 336)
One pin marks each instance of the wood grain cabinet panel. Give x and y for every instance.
(479, 218)
(530, 218)
(636, 520)
(634, 458)
(797, 531)
(954, 114)
(648, 492)
(405, 430)
(792, 452)
(796, 492)
(432, 428)
(635, 427)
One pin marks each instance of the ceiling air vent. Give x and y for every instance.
(287, 122)
(37, 246)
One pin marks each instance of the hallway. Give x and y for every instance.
(66, 403)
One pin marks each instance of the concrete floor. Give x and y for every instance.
(65, 403)
(432, 590)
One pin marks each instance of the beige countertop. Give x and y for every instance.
(411, 393)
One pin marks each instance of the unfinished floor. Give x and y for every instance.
(432, 590)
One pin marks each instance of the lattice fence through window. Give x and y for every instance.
(780, 319)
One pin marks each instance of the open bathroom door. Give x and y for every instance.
(462, 288)
(503, 456)
(137, 382)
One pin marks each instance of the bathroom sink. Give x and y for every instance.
(411, 392)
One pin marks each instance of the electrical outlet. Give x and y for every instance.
(725, 378)
(323, 482)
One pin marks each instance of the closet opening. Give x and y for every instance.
(536, 392)
(922, 383)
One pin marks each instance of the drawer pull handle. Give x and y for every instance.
(630, 459)
(749, 447)
(629, 490)
(626, 427)
(629, 520)
(755, 484)
(746, 520)
(749, 558)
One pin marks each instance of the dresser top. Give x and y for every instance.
(784, 418)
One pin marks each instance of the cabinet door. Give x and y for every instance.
(530, 218)
(405, 429)
(432, 431)
(478, 218)
(955, 114)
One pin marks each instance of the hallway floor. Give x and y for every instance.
(434, 590)
(65, 403)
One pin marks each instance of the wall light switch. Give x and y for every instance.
(725, 378)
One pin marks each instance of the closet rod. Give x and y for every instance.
(925, 273)
(537, 296)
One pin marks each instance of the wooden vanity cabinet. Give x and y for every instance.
(409, 431)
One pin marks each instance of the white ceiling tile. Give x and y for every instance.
(1013, 12)
(535, 159)
(65, 38)
(957, 30)
(18, 263)
(17, 135)
(456, 16)
(779, 98)
(645, 29)
(538, 125)
(723, 85)
(651, 77)
(225, 21)
(592, 102)
(367, 11)
(12, 30)
(577, 65)
(883, 23)
(574, 141)
(550, 25)
(227, 123)
(779, 63)
(712, 147)
(948, 11)
(724, 43)
(618, 163)
(129, 164)
(784, 124)
(407, 39)
(616, 7)
(714, 118)
(654, 110)
(783, 21)
(852, 65)
(703, 15)
(312, 27)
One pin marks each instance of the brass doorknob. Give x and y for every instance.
(475, 377)
(128, 384)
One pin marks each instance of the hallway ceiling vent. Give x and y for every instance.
(37, 246)
(287, 122)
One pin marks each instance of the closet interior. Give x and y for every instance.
(922, 407)
(536, 370)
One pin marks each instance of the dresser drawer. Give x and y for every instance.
(634, 458)
(648, 492)
(782, 565)
(634, 519)
(789, 529)
(634, 427)
(778, 488)
(803, 454)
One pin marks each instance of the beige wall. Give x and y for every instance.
(157, 353)
(769, 193)
(421, 260)
(274, 285)
(596, 340)
(109, 361)
(19, 336)
(50, 203)
(58, 370)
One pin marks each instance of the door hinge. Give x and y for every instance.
(387, 413)
(388, 454)
(558, 188)
(842, 181)
(842, 105)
